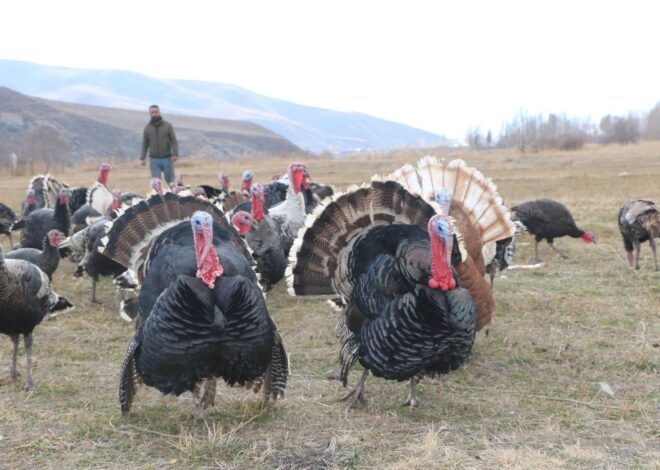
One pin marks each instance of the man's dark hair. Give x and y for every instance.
(154, 106)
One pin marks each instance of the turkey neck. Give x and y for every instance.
(441, 273)
(62, 216)
(257, 208)
(208, 264)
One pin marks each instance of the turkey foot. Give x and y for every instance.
(208, 398)
(358, 392)
(412, 400)
(558, 251)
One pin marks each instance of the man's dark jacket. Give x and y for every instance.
(160, 140)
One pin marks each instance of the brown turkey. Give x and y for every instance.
(548, 219)
(639, 221)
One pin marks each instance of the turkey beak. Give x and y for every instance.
(252, 223)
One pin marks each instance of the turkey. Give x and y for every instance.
(246, 181)
(313, 192)
(47, 259)
(7, 219)
(97, 200)
(639, 221)
(263, 236)
(94, 263)
(402, 274)
(45, 189)
(548, 219)
(25, 298)
(201, 312)
(476, 208)
(78, 198)
(35, 226)
(290, 214)
(216, 193)
(29, 204)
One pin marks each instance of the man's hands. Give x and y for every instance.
(143, 162)
(174, 158)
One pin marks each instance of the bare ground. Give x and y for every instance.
(530, 396)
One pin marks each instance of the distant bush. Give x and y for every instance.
(619, 129)
(572, 141)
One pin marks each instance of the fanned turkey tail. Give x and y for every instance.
(129, 236)
(318, 257)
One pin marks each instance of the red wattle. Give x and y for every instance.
(297, 180)
(209, 268)
(247, 184)
(257, 209)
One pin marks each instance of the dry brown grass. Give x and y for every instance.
(527, 398)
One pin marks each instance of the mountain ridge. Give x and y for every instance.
(308, 127)
(48, 129)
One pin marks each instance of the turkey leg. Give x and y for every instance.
(637, 246)
(655, 258)
(412, 401)
(558, 251)
(28, 361)
(358, 392)
(537, 258)
(13, 373)
(93, 298)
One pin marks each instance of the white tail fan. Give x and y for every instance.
(472, 191)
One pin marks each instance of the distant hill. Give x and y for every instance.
(35, 127)
(308, 127)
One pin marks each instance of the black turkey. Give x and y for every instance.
(25, 297)
(7, 219)
(35, 226)
(548, 219)
(264, 237)
(201, 312)
(390, 257)
(47, 259)
(639, 221)
(29, 204)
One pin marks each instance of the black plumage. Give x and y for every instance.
(172, 254)
(548, 219)
(47, 259)
(404, 327)
(372, 246)
(192, 330)
(639, 221)
(7, 219)
(38, 223)
(504, 252)
(264, 237)
(80, 217)
(25, 298)
(95, 263)
(78, 198)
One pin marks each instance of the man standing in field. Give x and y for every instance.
(160, 140)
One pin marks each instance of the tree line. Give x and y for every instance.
(534, 132)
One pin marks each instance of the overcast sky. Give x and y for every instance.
(439, 66)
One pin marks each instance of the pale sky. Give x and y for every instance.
(439, 66)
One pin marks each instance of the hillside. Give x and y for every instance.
(308, 127)
(82, 131)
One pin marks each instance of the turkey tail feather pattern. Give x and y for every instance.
(128, 236)
(318, 254)
(129, 378)
(472, 191)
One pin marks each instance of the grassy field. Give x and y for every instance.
(529, 396)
